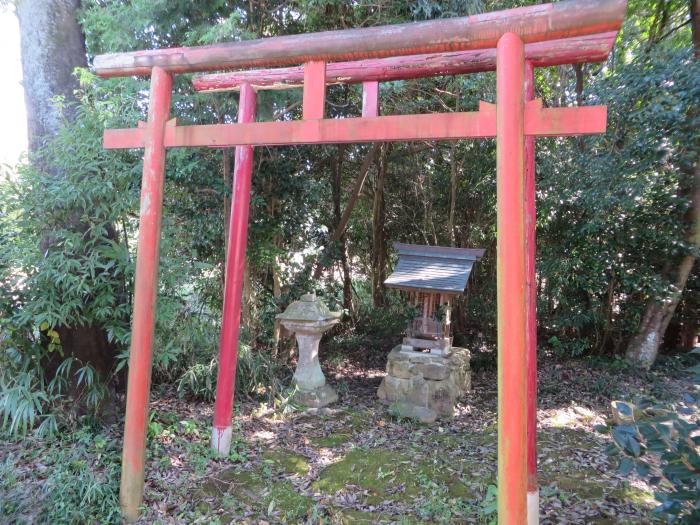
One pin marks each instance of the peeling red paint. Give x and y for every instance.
(235, 267)
(140, 357)
(537, 23)
(314, 100)
(436, 126)
(590, 48)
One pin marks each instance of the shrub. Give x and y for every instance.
(80, 483)
(257, 374)
(662, 447)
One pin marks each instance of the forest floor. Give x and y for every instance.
(349, 463)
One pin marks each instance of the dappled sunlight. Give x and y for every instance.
(573, 416)
(263, 435)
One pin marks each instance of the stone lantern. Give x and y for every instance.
(309, 318)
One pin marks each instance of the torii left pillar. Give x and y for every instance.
(233, 284)
(146, 281)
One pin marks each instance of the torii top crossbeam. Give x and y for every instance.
(510, 42)
(537, 23)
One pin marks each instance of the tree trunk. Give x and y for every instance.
(339, 228)
(342, 222)
(455, 168)
(454, 184)
(378, 240)
(644, 346)
(643, 349)
(52, 46)
(689, 335)
(428, 206)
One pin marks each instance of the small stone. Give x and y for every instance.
(381, 391)
(423, 357)
(434, 371)
(397, 389)
(401, 368)
(422, 414)
(442, 396)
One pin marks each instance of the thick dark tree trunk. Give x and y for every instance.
(52, 47)
(644, 346)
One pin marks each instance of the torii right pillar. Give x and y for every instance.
(519, 119)
(511, 279)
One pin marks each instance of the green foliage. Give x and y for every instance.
(663, 447)
(611, 214)
(78, 484)
(64, 264)
(80, 273)
(371, 329)
(610, 208)
(257, 374)
(29, 400)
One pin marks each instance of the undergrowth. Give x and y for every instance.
(77, 481)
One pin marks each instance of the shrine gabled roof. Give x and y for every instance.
(433, 268)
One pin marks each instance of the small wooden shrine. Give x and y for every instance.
(433, 276)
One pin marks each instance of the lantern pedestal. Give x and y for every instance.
(316, 398)
(308, 377)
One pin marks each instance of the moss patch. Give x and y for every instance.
(580, 486)
(247, 483)
(260, 493)
(356, 421)
(359, 517)
(388, 475)
(634, 495)
(330, 441)
(287, 461)
(288, 504)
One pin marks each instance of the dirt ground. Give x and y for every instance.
(355, 463)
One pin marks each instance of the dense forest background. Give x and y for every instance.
(615, 213)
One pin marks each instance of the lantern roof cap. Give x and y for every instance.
(309, 308)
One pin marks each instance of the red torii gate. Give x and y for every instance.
(512, 42)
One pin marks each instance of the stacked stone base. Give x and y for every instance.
(425, 386)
